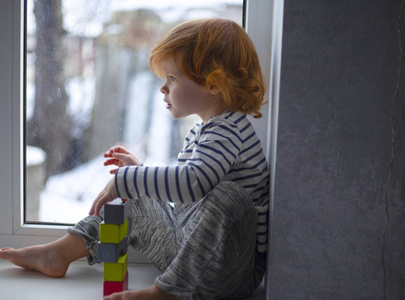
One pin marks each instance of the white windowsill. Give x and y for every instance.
(81, 282)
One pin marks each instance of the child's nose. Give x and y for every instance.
(163, 89)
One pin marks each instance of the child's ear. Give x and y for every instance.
(214, 90)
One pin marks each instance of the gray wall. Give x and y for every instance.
(339, 75)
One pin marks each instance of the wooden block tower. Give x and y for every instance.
(113, 247)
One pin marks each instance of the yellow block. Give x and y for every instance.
(116, 271)
(113, 233)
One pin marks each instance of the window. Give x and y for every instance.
(88, 87)
(263, 26)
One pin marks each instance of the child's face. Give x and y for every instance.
(185, 97)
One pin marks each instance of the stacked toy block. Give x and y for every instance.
(113, 246)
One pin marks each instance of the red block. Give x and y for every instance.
(111, 287)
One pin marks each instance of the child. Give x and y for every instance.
(211, 243)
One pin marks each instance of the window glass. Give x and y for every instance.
(89, 87)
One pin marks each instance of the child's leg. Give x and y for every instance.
(51, 259)
(218, 257)
(151, 230)
(88, 230)
(150, 226)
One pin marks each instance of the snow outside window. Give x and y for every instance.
(89, 87)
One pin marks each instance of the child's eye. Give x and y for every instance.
(172, 78)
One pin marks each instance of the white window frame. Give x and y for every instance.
(13, 231)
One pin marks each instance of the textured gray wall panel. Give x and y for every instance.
(338, 79)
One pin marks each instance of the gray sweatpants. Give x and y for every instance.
(205, 250)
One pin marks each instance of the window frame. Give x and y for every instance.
(13, 231)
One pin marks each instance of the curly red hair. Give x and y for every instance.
(216, 53)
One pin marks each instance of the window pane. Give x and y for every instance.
(89, 87)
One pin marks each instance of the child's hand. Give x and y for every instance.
(120, 157)
(109, 193)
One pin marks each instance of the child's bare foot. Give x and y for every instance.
(50, 259)
(149, 293)
(37, 258)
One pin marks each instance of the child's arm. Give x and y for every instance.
(200, 168)
(186, 183)
(120, 157)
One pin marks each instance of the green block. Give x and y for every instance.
(116, 271)
(113, 233)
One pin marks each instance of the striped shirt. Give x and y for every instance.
(226, 148)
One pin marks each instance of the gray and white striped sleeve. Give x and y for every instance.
(200, 170)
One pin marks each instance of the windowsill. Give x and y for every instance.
(81, 282)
